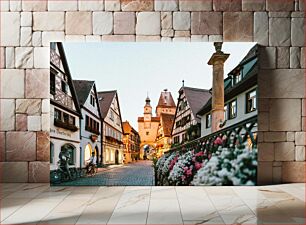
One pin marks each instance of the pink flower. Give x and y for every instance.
(199, 154)
(209, 155)
(218, 141)
(183, 177)
(189, 172)
(172, 163)
(198, 165)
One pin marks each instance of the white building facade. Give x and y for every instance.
(240, 108)
(65, 112)
(91, 122)
(113, 147)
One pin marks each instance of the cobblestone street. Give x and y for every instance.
(134, 174)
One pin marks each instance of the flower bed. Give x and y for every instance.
(229, 167)
(214, 164)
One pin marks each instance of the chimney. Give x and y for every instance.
(217, 61)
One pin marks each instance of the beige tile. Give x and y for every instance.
(32, 212)
(9, 206)
(195, 205)
(164, 206)
(29, 191)
(132, 206)
(297, 191)
(100, 208)
(164, 212)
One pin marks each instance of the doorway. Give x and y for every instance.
(116, 157)
(97, 155)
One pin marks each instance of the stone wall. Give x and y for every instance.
(28, 26)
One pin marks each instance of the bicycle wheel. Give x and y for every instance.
(83, 172)
(73, 174)
(55, 177)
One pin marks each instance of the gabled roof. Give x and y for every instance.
(167, 121)
(166, 100)
(105, 101)
(250, 55)
(70, 83)
(83, 88)
(196, 98)
(127, 128)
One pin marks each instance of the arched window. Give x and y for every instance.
(72, 152)
(87, 153)
(51, 152)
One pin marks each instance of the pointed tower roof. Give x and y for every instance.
(166, 99)
(148, 100)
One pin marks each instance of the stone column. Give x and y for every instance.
(217, 61)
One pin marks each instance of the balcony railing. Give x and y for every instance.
(112, 139)
(92, 130)
(65, 125)
(238, 134)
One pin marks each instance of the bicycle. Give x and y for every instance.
(61, 174)
(91, 170)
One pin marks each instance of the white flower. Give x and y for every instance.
(228, 166)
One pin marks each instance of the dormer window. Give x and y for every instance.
(208, 120)
(237, 78)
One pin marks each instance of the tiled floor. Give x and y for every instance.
(41, 204)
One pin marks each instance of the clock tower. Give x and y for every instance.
(147, 114)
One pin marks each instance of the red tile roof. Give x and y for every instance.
(127, 128)
(166, 100)
(167, 121)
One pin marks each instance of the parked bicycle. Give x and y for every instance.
(61, 174)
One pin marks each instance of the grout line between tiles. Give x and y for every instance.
(55, 207)
(116, 205)
(234, 190)
(214, 205)
(86, 205)
(149, 205)
(178, 201)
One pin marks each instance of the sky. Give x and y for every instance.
(138, 69)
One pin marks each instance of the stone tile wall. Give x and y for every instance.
(27, 27)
